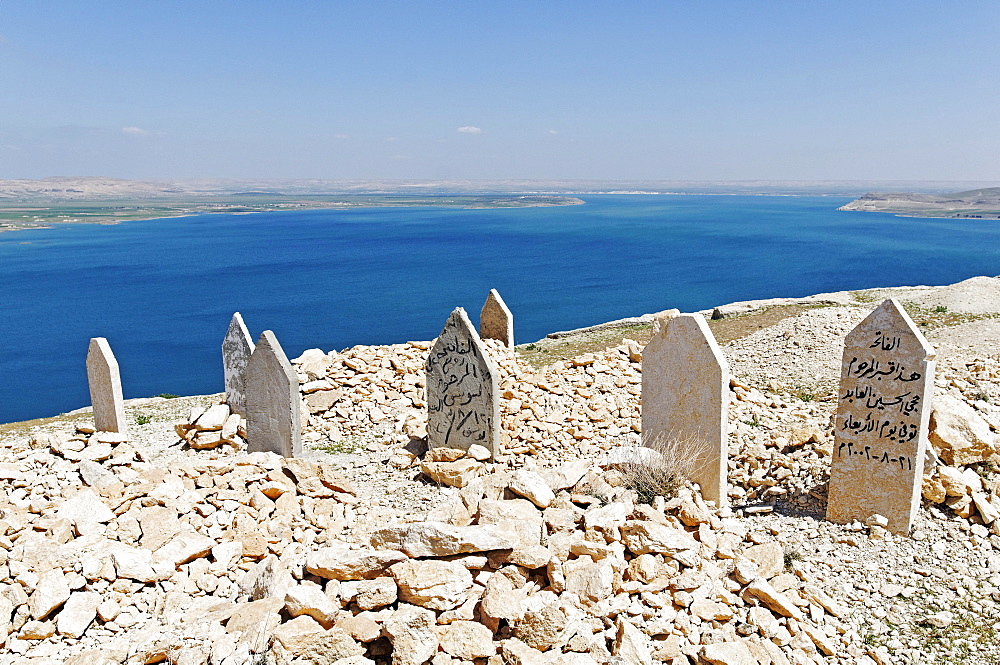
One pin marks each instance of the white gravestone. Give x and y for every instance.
(495, 320)
(880, 434)
(236, 349)
(685, 399)
(105, 387)
(272, 400)
(463, 405)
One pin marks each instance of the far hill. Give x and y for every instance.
(975, 203)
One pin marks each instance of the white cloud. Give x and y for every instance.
(134, 131)
(552, 131)
(469, 129)
(391, 139)
(342, 137)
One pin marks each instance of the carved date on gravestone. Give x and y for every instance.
(880, 431)
(462, 400)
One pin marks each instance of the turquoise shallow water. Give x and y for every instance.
(163, 291)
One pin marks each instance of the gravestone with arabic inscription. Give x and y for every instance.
(685, 399)
(237, 346)
(880, 433)
(495, 320)
(105, 387)
(463, 406)
(273, 401)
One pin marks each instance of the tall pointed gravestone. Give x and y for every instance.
(272, 400)
(685, 400)
(496, 321)
(880, 435)
(105, 387)
(236, 349)
(463, 401)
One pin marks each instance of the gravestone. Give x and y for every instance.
(685, 400)
(105, 387)
(880, 434)
(463, 406)
(496, 321)
(236, 349)
(272, 400)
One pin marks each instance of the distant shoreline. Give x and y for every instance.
(107, 211)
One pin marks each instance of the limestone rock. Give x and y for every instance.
(769, 596)
(425, 539)
(727, 653)
(631, 644)
(466, 640)
(642, 537)
(410, 629)
(341, 563)
(533, 487)
(308, 599)
(184, 547)
(769, 557)
(436, 585)
(331, 647)
(376, 593)
(958, 433)
(453, 474)
(85, 507)
(297, 634)
(50, 593)
(78, 613)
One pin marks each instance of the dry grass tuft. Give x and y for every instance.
(663, 465)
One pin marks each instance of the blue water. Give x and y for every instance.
(163, 291)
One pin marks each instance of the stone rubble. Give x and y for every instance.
(379, 552)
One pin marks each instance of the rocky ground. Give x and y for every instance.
(176, 546)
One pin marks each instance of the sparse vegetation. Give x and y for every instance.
(142, 419)
(545, 352)
(663, 466)
(343, 447)
(168, 396)
(792, 557)
(930, 318)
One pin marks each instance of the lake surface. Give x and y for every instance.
(163, 291)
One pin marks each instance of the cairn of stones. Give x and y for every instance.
(105, 387)
(685, 400)
(237, 347)
(463, 406)
(882, 416)
(496, 320)
(272, 400)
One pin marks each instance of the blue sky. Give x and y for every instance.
(556, 90)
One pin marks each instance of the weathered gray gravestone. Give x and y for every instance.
(495, 320)
(880, 435)
(236, 349)
(463, 406)
(685, 400)
(105, 387)
(272, 400)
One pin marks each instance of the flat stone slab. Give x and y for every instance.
(273, 412)
(880, 434)
(463, 407)
(685, 400)
(237, 347)
(105, 388)
(496, 320)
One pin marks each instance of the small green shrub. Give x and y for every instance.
(791, 558)
(343, 447)
(143, 419)
(168, 396)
